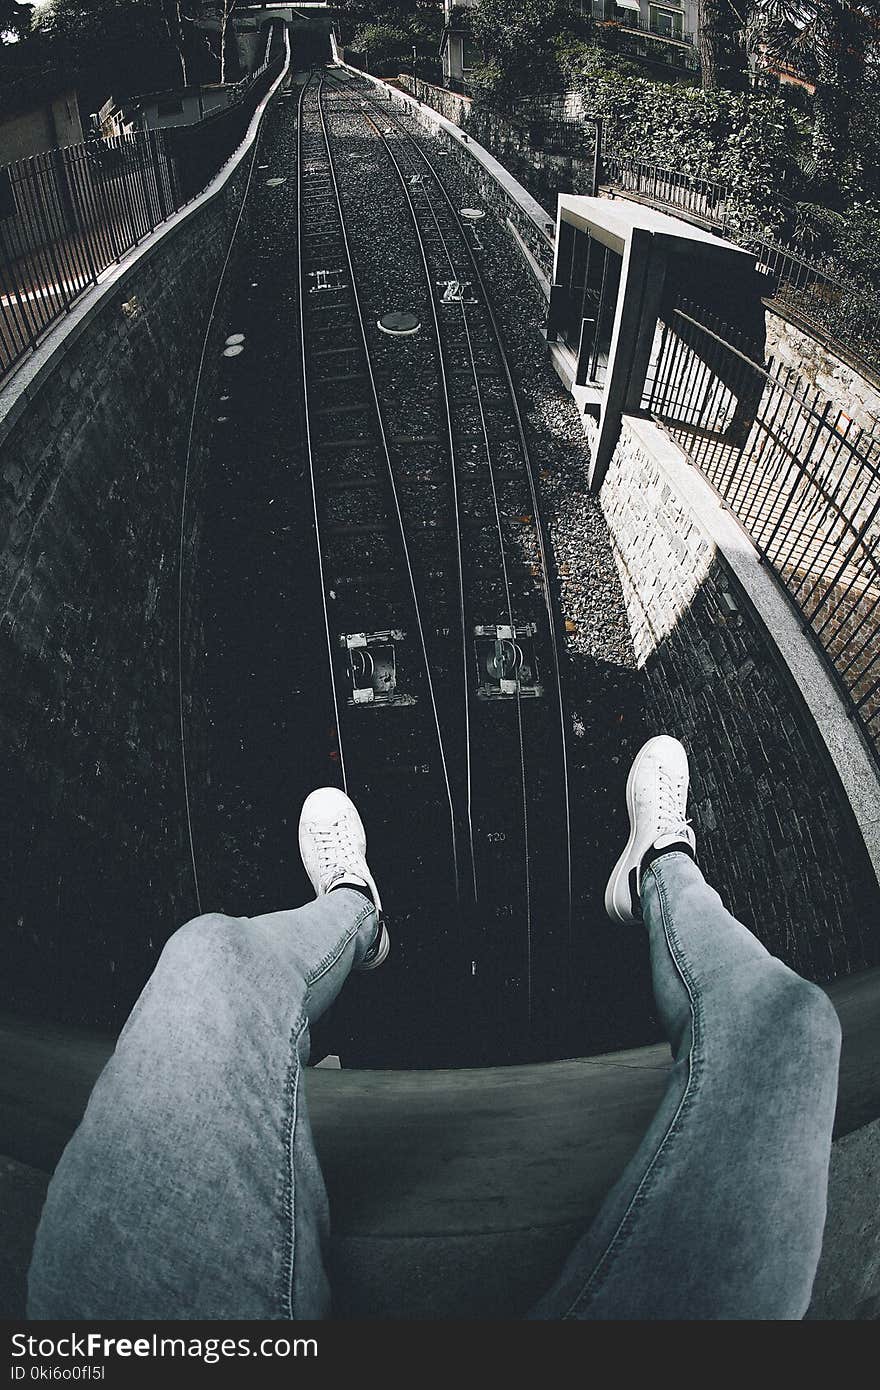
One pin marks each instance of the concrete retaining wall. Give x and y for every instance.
(469, 1187)
(93, 443)
(851, 392)
(779, 772)
(543, 173)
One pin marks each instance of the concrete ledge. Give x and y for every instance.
(460, 1193)
(840, 734)
(28, 378)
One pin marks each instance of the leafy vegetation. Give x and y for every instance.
(104, 47)
(803, 160)
(384, 46)
(390, 31)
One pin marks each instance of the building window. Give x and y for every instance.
(666, 23)
(471, 57)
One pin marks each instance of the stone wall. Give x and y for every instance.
(853, 393)
(775, 830)
(95, 863)
(452, 105)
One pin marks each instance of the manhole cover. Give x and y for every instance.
(399, 323)
(473, 214)
(234, 338)
(273, 183)
(233, 351)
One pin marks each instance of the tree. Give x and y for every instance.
(826, 41)
(386, 45)
(112, 46)
(520, 38)
(173, 16)
(15, 21)
(721, 30)
(225, 15)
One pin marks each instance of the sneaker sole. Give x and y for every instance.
(380, 957)
(622, 868)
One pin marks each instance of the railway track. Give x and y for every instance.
(440, 633)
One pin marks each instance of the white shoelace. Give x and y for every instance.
(332, 843)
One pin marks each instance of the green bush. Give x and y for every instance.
(748, 141)
(386, 45)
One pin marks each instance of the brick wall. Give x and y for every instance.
(94, 870)
(775, 832)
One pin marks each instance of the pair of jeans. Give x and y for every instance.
(191, 1189)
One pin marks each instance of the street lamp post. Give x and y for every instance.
(597, 155)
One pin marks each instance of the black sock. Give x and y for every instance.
(356, 888)
(678, 847)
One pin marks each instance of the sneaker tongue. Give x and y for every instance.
(674, 837)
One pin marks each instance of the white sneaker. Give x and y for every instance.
(656, 799)
(333, 845)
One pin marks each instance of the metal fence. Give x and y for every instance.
(801, 478)
(66, 215)
(848, 313)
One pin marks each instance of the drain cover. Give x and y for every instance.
(234, 350)
(399, 323)
(234, 338)
(473, 214)
(273, 183)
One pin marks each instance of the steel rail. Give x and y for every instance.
(307, 422)
(442, 352)
(529, 471)
(444, 383)
(386, 451)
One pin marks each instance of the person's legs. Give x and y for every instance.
(191, 1188)
(720, 1212)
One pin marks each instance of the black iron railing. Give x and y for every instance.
(643, 26)
(66, 215)
(705, 199)
(799, 475)
(847, 312)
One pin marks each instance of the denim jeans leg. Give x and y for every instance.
(720, 1212)
(191, 1188)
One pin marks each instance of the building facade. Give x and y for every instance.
(39, 125)
(660, 33)
(458, 51)
(664, 32)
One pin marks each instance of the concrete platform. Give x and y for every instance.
(459, 1193)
